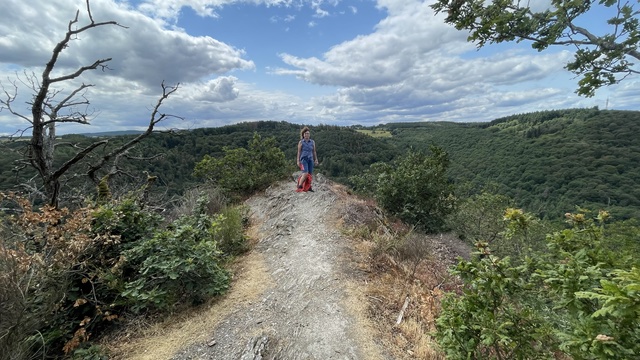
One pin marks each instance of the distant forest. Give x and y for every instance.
(549, 162)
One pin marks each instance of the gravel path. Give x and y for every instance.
(307, 310)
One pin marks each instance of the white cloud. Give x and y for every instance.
(414, 64)
(218, 90)
(170, 9)
(143, 56)
(410, 67)
(401, 42)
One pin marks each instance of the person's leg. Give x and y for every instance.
(305, 171)
(301, 180)
(309, 174)
(309, 166)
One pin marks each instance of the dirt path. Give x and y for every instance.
(306, 292)
(305, 305)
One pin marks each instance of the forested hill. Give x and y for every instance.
(342, 151)
(549, 162)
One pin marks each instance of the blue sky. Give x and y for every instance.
(307, 62)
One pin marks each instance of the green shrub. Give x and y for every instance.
(67, 276)
(596, 301)
(571, 299)
(181, 264)
(617, 321)
(524, 235)
(126, 218)
(231, 237)
(489, 320)
(623, 239)
(366, 183)
(480, 218)
(414, 188)
(244, 171)
(189, 203)
(51, 294)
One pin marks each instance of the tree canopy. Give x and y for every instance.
(601, 59)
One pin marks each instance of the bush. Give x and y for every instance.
(244, 171)
(188, 204)
(489, 218)
(617, 321)
(571, 300)
(524, 235)
(49, 303)
(623, 239)
(488, 320)
(182, 264)
(126, 218)
(231, 237)
(21, 313)
(66, 276)
(480, 218)
(414, 188)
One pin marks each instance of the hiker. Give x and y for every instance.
(307, 157)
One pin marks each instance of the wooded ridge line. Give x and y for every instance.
(548, 161)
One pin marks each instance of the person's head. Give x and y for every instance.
(303, 131)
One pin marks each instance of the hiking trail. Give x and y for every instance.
(295, 296)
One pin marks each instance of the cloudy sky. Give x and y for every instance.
(307, 62)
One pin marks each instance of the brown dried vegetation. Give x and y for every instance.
(42, 251)
(406, 275)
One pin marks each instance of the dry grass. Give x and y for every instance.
(215, 199)
(399, 263)
(390, 262)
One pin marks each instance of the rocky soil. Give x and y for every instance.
(300, 293)
(307, 308)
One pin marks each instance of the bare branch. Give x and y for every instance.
(144, 158)
(81, 70)
(156, 117)
(79, 156)
(81, 119)
(115, 169)
(9, 99)
(46, 113)
(89, 12)
(21, 132)
(64, 102)
(31, 189)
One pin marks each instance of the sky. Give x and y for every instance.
(312, 62)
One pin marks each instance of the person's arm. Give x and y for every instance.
(299, 149)
(315, 156)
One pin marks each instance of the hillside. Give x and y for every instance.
(308, 291)
(330, 270)
(549, 162)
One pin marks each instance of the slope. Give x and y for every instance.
(549, 162)
(294, 298)
(304, 292)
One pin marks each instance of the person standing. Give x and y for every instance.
(307, 156)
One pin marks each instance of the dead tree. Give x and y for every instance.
(47, 112)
